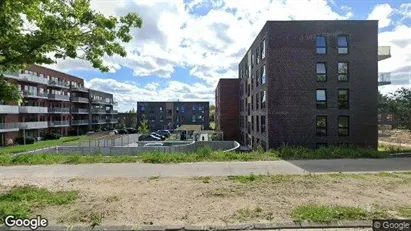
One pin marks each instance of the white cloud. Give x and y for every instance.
(382, 13)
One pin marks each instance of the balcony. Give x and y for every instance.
(9, 127)
(79, 111)
(79, 100)
(26, 77)
(29, 94)
(33, 125)
(79, 88)
(33, 110)
(57, 110)
(9, 109)
(384, 52)
(63, 123)
(112, 112)
(79, 122)
(98, 101)
(102, 121)
(98, 111)
(384, 78)
(112, 121)
(59, 84)
(59, 97)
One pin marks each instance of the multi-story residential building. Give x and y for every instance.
(227, 98)
(171, 115)
(311, 83)
(53, 102)
(101, 110)
(127, 120)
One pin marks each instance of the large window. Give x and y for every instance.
(263, 99)
(257, 123)
(321, 125)
(321, 95)
(257, 80)
(342, 44)
(321, 72)
(343, 98)
(343, 71)
(263, 49)
(257, 56)
(343, 125)
(263, 124)
(321, 45)
(256, 101)
(252, 102)
(252, 123)
(263, 77)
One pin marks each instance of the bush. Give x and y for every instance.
(20, 140)
(52, 136)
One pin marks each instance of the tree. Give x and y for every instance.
(143, 127)
(132, 111)
(400, 105)
(8, 92)
(42, 31)
(383, 103)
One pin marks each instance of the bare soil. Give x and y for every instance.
(395, 136)
(215, 201)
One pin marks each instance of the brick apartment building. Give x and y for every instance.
(53, 102)
(227, 108)
(171, 115)
(310, 83)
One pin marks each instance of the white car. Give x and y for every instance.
(156, 144)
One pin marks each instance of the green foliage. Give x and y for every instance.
(8, 92)
(246, 178)
(20, 140)
(143, 127)
(20, 201)
(52, 136)
(400, 104)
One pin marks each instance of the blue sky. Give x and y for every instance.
(185, 46)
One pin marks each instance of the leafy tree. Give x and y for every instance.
(383, 103)
(8, 92)
(143, 127)
(212, 107)
(400, 105)
(132, 111)
(42, 31)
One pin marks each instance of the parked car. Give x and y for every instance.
(131, 130)
(122, 131)
(148, 138)
(158, 135)
(155, 144)
(165, 133)
(115, 131)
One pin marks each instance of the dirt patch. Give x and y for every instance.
(219, 200)
(395, 136)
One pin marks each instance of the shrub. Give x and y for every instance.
(20, 140)
(52, 136)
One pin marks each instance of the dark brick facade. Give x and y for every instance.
(290, 67)
(227, 108)
(170, 115)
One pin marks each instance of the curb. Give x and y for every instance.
(256, 226)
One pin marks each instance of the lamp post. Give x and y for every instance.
(24, 127)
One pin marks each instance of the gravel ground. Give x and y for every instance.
(212, 201)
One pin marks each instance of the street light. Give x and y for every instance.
(24, 127)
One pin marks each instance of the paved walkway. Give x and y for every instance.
(207, 168)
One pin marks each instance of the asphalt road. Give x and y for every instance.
(207, 168)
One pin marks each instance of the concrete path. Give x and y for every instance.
(207, 168)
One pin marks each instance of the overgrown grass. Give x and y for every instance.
(326, 214)
(405, 212)
(40, 144)
(20, 201)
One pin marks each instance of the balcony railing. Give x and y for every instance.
(112, 121)
(58, 110)
(79, 111)
(79, 88)
(9, 109)
(113, 112)
(63, 123)
(98, 111)
(79, 100)
(29, 94)
(101, 121)
(384, 52)
(26, 77)
(33, 109)
(98, 101)
(79, 122)
(59, 97)
(33, 125)
(9, 127)
(384, 78)
(58, 84)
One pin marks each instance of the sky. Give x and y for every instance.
(185, 46)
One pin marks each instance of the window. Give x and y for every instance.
(252, 123)
(321, 95)
(193, 118)
(257, 56)
(161, 108)
(257, 123)
(321, 72)
(263, 78)
(252, 102)
(194, 108)
(321, 125)
(343, 125)
(257, 80)
(342, 44)
(263, 49)
(252, 61)
(343, 71)
(262, 124)
(256, 101)
(252, 81)
(321, 45)
(182, 109)
(343, 98)
(263, 99)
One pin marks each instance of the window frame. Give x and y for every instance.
(263, 75)
(347, 100)
(342, 47)
(322, 74)
(263, 103)
(263, 125)
(321, 47)
(347, 128)
(320, 101)
(347, 76)
(317, 128)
